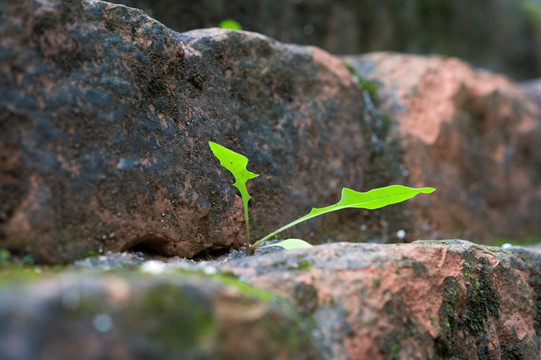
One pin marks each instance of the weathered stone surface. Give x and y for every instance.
(424, 300)
(105, 116)
(471, 134)
(533, 89)
(123, 316)
(501, 35)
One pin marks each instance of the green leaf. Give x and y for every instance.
(290, 244)
(236, 163)
(230, 24)
(373, 199)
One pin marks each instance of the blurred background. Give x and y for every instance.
(503, 36)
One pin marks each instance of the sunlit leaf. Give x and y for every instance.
(230, 24)
(290, 244)
(236, 163)
(373, 199)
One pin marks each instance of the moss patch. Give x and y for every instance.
(244, 288)
(176, 317)
(305, 297)
(465, 312)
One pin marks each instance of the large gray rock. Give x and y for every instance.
(129, 316)
(105, 118)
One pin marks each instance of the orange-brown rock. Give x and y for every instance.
(425, 300)
(471, 134)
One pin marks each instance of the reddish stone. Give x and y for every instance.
(469, 133)
(425, 300)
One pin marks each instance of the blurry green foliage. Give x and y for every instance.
(230, 24)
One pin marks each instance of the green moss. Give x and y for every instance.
(91, 253)
(175, 317)
(448, 310)
(483, 299)
(393, 350)
(370, 86)
(468, 310)
(228, 279)
(16, 274)
(434, 321)
(434, 243)
(467, 271)
(244, 288)
(305, 297)
(5, 255)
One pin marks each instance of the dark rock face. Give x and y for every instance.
(138, 317)
(105, 116)
(353, 27)
(469, 133)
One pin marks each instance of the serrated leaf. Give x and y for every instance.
(290, 244)
(373, 199)
(236, 164)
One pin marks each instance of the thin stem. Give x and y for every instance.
(285, 227)
(247, 222)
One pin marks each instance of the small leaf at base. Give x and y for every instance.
(290, 244)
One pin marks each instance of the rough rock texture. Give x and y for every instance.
(471, 134)
(105, 118)
(501, 35)
(533, 89)
(125, 316)
(426, 300)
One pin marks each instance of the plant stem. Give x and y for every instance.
(285, 227)
(247, 222)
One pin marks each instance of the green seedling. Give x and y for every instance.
(230, 24)
(373, 199)
(236, 163)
